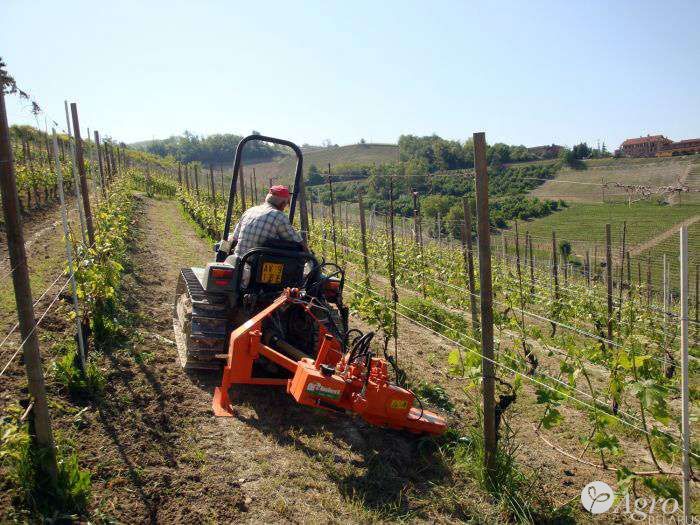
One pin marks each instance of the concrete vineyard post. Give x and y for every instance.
(23, 296)
(620, 283)
(487, 361)
(392, 273)
(555, 266)
(81, 171)
(588, 268)
(363, 238)
(100, 162)
(684, 373)
(470, 263)
(609, 283)
(532, 268)
(69, 253)
(333, 232)
(241, 179)
(76, 179)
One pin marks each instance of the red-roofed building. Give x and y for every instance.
(644, 146)
(682, 147)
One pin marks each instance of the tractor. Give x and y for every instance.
(277, 318)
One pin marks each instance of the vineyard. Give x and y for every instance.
(586, 358)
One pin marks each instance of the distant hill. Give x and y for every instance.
(282, 169)
(584, 185)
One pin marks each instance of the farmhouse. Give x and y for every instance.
(643, 146)
(682, 147)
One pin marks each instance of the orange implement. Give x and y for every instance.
(331, 381)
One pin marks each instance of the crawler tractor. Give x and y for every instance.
(277, 318)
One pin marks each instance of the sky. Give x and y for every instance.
(525, 72)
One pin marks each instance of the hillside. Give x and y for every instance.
(283, 169)
(585, 184)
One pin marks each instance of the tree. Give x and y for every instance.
(567, 157)
(582, 151)
(313, 176)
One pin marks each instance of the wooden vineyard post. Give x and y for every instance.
(333, 232)
(76, 179)
(179, 175)
(69, 252)
(685, 427)
(469, 260)
(609, 283)
(223, 189)
(555, 266)
(187, 178)
(196, 180)
(23, 297)
(487, 360)
(81, 171)
(363, 238)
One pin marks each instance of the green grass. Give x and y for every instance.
(583, 224)
(670, 247)
(283, 169)
(585, 183)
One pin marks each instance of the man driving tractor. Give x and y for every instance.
(266, 222)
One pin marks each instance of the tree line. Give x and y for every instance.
(212, 149)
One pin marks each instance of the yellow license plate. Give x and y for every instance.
(271, 273)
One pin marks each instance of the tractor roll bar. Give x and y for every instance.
(237, 165)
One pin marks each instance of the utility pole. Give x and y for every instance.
(23, 295)
(81, 170)
(487, 359)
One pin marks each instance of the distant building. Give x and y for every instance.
(643, 146)
(545, 152)
(682, 147)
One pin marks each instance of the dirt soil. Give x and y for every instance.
(158, 455)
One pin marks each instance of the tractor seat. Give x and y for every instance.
(273, 267)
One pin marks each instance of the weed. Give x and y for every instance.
(23, 466)
(67, 372)
(434, 395)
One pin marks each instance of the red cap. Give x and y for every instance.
(280, 191)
